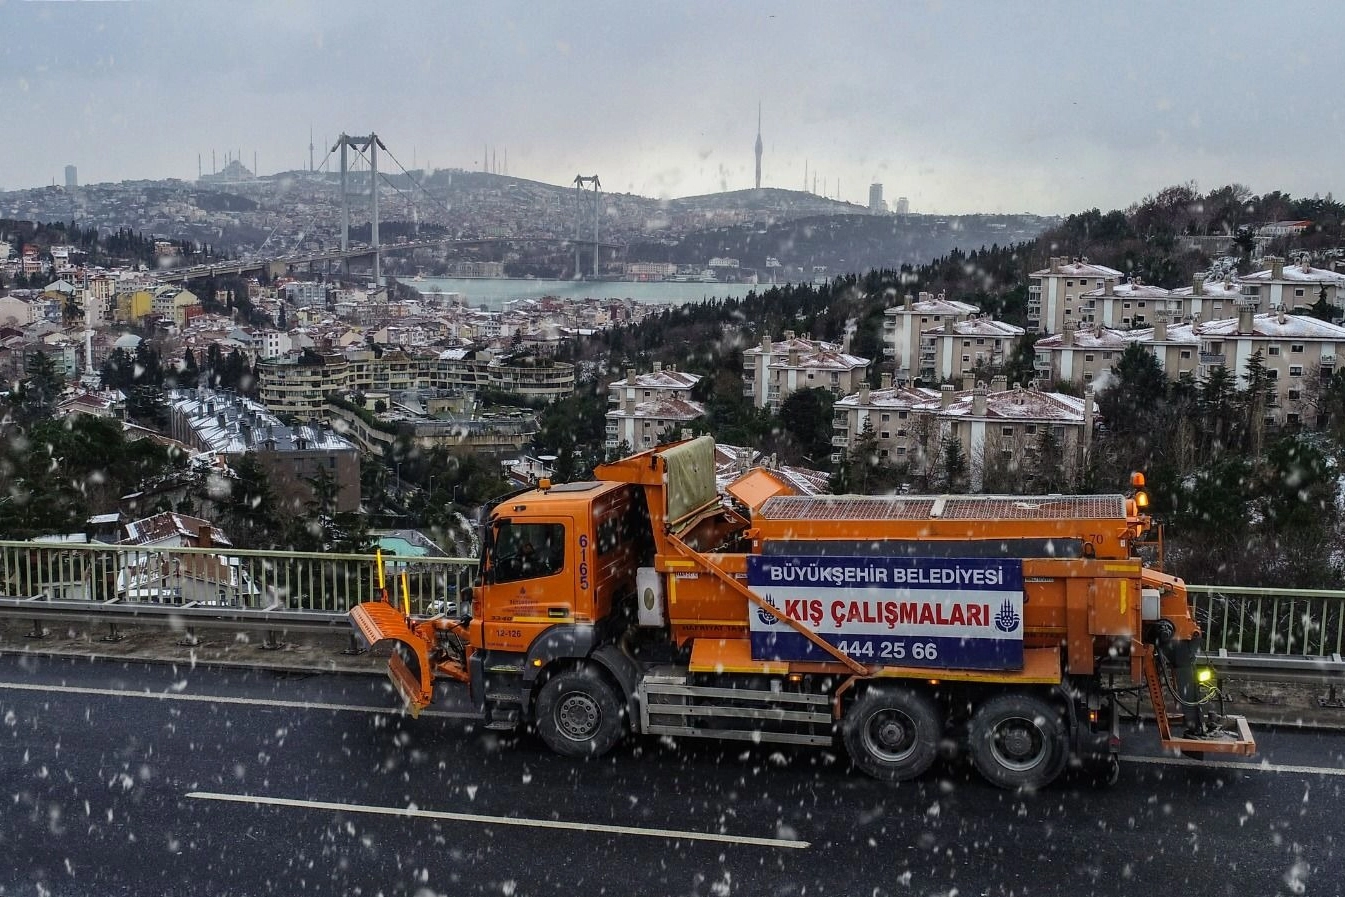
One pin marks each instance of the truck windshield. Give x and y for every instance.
(527, 550)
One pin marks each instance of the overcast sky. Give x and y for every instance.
(962, 107)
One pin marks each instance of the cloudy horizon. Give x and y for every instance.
(962, 107)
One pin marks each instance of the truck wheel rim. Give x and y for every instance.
(577, 716)
(889, 736)
(1017, 743)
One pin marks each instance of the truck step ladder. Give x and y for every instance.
(1233, 737)
(669, 705)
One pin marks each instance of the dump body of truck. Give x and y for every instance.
(644, 601)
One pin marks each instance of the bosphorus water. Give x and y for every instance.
(494, 293)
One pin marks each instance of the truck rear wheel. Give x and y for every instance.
(892, 733)
(1018, 741)
(579, 713)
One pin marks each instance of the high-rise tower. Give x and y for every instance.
(758, 145)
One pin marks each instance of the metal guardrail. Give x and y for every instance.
(1271, 622)
(186, 617)
(224, 577)
(230, 586)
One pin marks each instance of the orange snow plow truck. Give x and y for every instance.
(644, 602)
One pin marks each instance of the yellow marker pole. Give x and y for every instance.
(382, 587)
(406, 594)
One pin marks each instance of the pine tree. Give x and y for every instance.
(953, 466)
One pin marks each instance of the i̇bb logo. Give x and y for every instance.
(1007, 619)
(765, 616)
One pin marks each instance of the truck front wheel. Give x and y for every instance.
(579, 713)
(1018, 741)
(892, 733)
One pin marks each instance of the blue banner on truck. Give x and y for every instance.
(942, 613)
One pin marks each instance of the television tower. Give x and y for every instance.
(758, 144)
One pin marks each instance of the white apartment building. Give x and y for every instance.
(650, 408)
(958, 347)
(1130, 304)
(1291, 286)
(998, 428)
(1053, 293)
(1080, 356)
(774, 370)
(903, 325)
(1203, 300)
(1296, 350)
(1001, 428)
(892, 413)
(303, 293)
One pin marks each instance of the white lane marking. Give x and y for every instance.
(222, 699)
(417, 813)
(1246, 767)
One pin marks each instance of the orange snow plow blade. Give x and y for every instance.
(377, 622)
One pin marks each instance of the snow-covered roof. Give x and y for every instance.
(662, 408)
(1267, 326)
(1020, 404)
(1130, 291)
(1303, 273)
(975, 327)
(1212, 289)
(1097, 337)
(892, 397)
(661, 379)
(826, 359)
(163, 526)
(1079, 269)
(939, 306)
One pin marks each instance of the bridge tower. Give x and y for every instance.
(582, 202)
(372, 144)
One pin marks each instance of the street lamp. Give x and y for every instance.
(456, 487)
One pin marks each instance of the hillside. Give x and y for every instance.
(846, 243)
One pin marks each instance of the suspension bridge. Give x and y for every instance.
(362, 186)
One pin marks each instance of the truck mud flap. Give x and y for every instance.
(378, 624)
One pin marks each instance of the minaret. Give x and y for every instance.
(758, 145)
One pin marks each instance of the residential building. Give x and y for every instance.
(298, 386)
(305, 294)
(1290, 286)
(532, 378)
(892, 414)
(1130, 304)
(649, 408)
(169, 578)
(1080, 356)
(903, 325)
(1000, 430)
(774, 370)
(230, 427)
(957, 348)
(132, 305)
(1053, 293)
(17, 312)
(1203, 300)
(1297, 351)
(172, 302)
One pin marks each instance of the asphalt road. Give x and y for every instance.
(157, 780)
